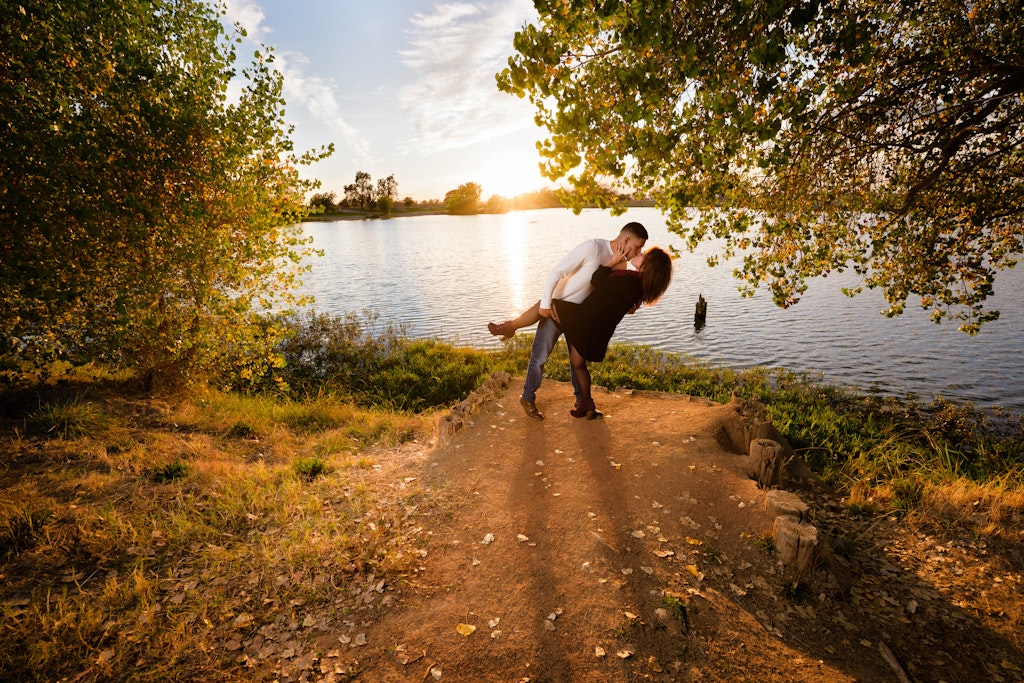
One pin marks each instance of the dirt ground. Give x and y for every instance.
(635, 548)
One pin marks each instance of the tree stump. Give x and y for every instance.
(761, 429)
(779, 502)
(701, 312)
(796, 542)
(766, 462)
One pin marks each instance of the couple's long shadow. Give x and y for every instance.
(945, 641)
(611, 543)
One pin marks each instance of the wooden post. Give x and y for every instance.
(701, 313)
(796, 542)
(766, 462)
(779, 502)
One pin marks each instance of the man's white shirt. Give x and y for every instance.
(570, 278)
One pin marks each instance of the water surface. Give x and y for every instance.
(447, 276)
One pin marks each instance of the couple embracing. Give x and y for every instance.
(585, 296)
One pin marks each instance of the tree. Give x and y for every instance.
(323, 201)
(145, 218)
(463, 200)
(387, 190)
(359, 195)
(811, 136)
(497, 204)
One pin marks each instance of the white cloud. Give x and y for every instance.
(318, 96)
(454, 51)
(249, 15)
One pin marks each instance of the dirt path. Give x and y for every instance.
(633, 548)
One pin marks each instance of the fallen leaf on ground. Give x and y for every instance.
(489, 538)
(465, 629)
(625, 653)
(599, 651)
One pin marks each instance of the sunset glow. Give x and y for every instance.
(511, 176)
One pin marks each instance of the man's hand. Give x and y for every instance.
(544, 312)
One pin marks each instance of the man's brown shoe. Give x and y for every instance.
(531, 409)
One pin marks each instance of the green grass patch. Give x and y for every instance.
(169, 472)
(21, 528)
(310, 468)
(70, 418)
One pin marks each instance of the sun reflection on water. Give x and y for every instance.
(513, 228)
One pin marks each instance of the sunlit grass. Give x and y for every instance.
(69, 418)
(144, 562)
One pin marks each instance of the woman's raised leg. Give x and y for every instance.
(508, 328)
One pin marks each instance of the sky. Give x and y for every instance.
(402, 87)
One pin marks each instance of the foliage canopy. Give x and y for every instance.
(809, 136)
(148, 191)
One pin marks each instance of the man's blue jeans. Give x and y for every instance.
(543, 344)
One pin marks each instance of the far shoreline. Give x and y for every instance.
(403, 212)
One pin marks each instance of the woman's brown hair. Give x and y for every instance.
(655, 274)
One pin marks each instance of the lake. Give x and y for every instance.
(447, 276)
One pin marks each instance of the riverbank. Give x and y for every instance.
(431, 210)
(247, 537)
(251, 535)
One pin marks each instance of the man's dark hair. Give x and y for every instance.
(637, 229)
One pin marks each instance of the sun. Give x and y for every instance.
(510, 176)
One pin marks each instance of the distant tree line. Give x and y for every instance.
(380, 198)
(362, 195)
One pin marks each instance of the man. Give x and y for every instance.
(569, 280)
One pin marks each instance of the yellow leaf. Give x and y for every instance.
(465, 629)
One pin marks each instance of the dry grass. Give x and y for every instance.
(179, 540)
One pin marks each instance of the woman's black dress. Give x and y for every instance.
(589, 326)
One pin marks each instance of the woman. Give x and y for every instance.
(588, 326)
